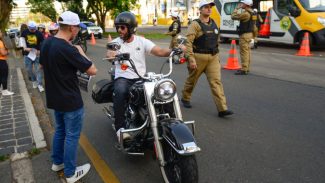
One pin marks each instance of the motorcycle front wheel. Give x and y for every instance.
(179, 169)
(83, 45)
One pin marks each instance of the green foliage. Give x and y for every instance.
(4, 157)
(6, 7)
(76, 7)
(45, 7)
(34, 152)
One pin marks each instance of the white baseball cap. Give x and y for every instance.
(69, 18)
(247, 2)
(32, 25)
(203, 3)
(174, 14)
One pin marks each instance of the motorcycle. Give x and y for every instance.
(154, 120)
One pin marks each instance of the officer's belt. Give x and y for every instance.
(212, 52)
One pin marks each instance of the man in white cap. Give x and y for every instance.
(174, 29)
(246, 28)
(32, 44)
(202, 49)
(61, 60)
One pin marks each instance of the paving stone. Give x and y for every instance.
(22, 134)
(25, 141)
(20, 111)
(21, 124)
(15, 108)
(8, 143)
(5, 112)
(5, 126)
(23, 128)
(20, 115)
(7, 121)
(8, 150)
(7, 137)
(20, 119)
(6, 131)
(24, 148)
(5, 117)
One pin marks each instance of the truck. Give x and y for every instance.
(288, 20)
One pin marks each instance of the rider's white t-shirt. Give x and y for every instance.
(138, 48)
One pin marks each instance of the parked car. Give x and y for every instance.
(93, 28)
(14, 34)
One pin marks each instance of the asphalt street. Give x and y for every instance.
(275, 135)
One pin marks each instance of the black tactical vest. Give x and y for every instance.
(245, 27)
(208, 42)
(171, 27)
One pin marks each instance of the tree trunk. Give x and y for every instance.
(5, 10)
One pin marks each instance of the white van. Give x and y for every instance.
(289, 20)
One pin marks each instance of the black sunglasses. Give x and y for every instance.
(122, 27)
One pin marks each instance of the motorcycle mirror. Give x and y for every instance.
(113, 46)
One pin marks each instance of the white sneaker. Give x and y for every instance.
(35, 84)
(125, 135)
(79, 173)
(40, 88)
(7, 93)
(57, 168)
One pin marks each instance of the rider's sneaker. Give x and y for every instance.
(79, 173)
(57, 168)
(35, 84)
(7, 93)
(125, 135)
(40, 88)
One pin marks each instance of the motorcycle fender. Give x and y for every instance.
(177, 134)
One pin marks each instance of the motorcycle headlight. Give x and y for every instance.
(165, 89)
(321, 20)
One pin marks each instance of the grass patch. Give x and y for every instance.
(4, 157)
(34, 152)
(150, 35)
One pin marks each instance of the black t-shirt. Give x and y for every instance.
(33, 39)
(60, 61)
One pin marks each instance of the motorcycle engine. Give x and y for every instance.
(136, 94)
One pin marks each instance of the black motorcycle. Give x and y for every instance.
(154, 121)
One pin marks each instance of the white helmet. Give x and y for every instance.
(53, 26)
(247, 2)
(174, 14)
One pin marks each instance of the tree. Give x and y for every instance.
(76, 7)
(45, 7)
(5, 10)
(101, 7)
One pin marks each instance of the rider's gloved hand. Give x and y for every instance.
(177, 51)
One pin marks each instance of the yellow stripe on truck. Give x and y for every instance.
(215, 15)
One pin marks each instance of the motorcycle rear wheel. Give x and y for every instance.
(179, 169)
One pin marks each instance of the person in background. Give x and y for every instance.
(42, 29)
(174, 29)
(33, 39)
(61, 60)
(244, 13)
(258, 21)
(202, 49)
(4, 70)
(53, 29)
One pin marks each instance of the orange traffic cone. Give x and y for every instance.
(265, 28)
(232, 63)
(304, 46)
(92, 41)
(109, 38)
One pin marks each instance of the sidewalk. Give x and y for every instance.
(22, 141)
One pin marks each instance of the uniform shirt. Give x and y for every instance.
(60, 61)
(137, 49)
(33, 39)
(244, 15)
(194, 31)
(175, 28)
(2, 47)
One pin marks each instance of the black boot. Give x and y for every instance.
(241, 72)
(225, 113)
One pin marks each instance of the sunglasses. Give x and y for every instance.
(122, 27)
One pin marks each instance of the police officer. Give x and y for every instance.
(244, 13)
(256, 17)
(174, 30)
(202, 50)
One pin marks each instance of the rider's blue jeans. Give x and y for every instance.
(120, 98)
(66, 137)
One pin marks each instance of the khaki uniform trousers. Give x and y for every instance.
(255, 33)
(173, 42)
(245, 50)
(210, 65)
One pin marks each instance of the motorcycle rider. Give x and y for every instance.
(53, 29)
(138, 47)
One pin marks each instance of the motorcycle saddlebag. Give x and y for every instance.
(103, 91)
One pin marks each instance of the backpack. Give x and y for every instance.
(103, 91)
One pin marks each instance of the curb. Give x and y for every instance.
(37, 132)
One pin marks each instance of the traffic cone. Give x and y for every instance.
(304, 46)
(92, 41)
(232, 63)
(109, 38)
(265, 28)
